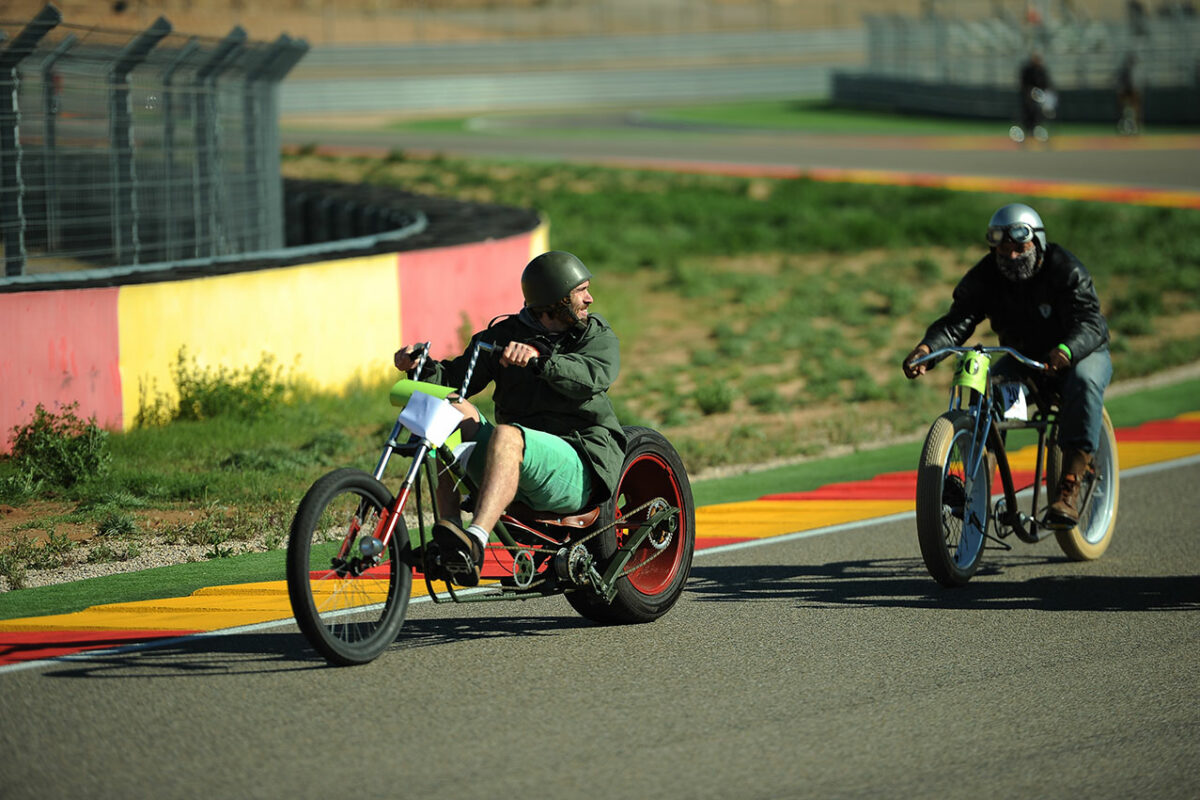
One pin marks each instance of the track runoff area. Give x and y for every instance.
(244, 608)
(247, 607)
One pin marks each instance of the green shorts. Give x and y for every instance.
(553, 476)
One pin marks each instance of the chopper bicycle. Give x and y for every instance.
(965, 447)
(355, 546)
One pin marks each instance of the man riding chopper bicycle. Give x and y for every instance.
(555, 444)
(1041, 301)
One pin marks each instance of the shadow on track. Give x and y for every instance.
(286, 650)
(904, 583)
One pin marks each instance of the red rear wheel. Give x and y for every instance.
(652, 478)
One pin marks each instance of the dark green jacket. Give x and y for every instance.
(566, 394)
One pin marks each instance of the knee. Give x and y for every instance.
(1091, 381)
(468, 410)
(1092, 374)
(508, 439)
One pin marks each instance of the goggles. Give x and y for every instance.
(1018, 232)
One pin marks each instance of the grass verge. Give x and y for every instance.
(177, 581)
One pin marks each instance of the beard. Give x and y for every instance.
(1020, 268)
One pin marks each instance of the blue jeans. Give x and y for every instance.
(1081, 391)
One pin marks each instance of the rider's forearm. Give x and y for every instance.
(580, 376)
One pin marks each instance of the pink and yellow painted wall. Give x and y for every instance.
(329, 321)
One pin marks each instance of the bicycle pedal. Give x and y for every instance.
(1057, 525)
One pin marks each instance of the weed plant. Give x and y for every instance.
(56, 448)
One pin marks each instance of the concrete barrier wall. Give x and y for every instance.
(1162, 105)
(331, 321)
(59, 348)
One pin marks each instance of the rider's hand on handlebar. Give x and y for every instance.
(1056, 361)
(912, 370)
(406, 357)
(518, 354)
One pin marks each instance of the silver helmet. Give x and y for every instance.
(1019, 223)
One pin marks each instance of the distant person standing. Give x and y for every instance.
(1129, 97)
(1036, 100)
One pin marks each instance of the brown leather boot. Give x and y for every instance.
(1064, 512)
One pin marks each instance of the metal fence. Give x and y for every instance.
(120, 148)
(1080, 52)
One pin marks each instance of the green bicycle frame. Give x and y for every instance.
(970, 392)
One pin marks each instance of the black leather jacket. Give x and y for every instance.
(1058, 305)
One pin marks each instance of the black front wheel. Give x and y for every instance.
(656, 573)
(349, 593)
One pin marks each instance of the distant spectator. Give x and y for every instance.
(1129, 97)
(1036, 98)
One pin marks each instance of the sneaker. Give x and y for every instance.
(462, 556)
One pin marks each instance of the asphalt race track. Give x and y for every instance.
(1165, 164)
(823, 666)
(819, 666)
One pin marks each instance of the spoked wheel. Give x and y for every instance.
(952, 510)
(656, 574)
(1090, 538)
(348, 599)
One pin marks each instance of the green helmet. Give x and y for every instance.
(551, 277)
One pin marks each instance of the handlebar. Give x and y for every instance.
(422, 349)
(937, 355)
(424, 346)
(486, 347)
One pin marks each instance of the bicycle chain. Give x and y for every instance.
(597, 532)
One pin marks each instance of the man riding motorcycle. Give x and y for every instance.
(1041, 302)
(556, 444)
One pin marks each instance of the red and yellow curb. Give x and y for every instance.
(224, 607)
